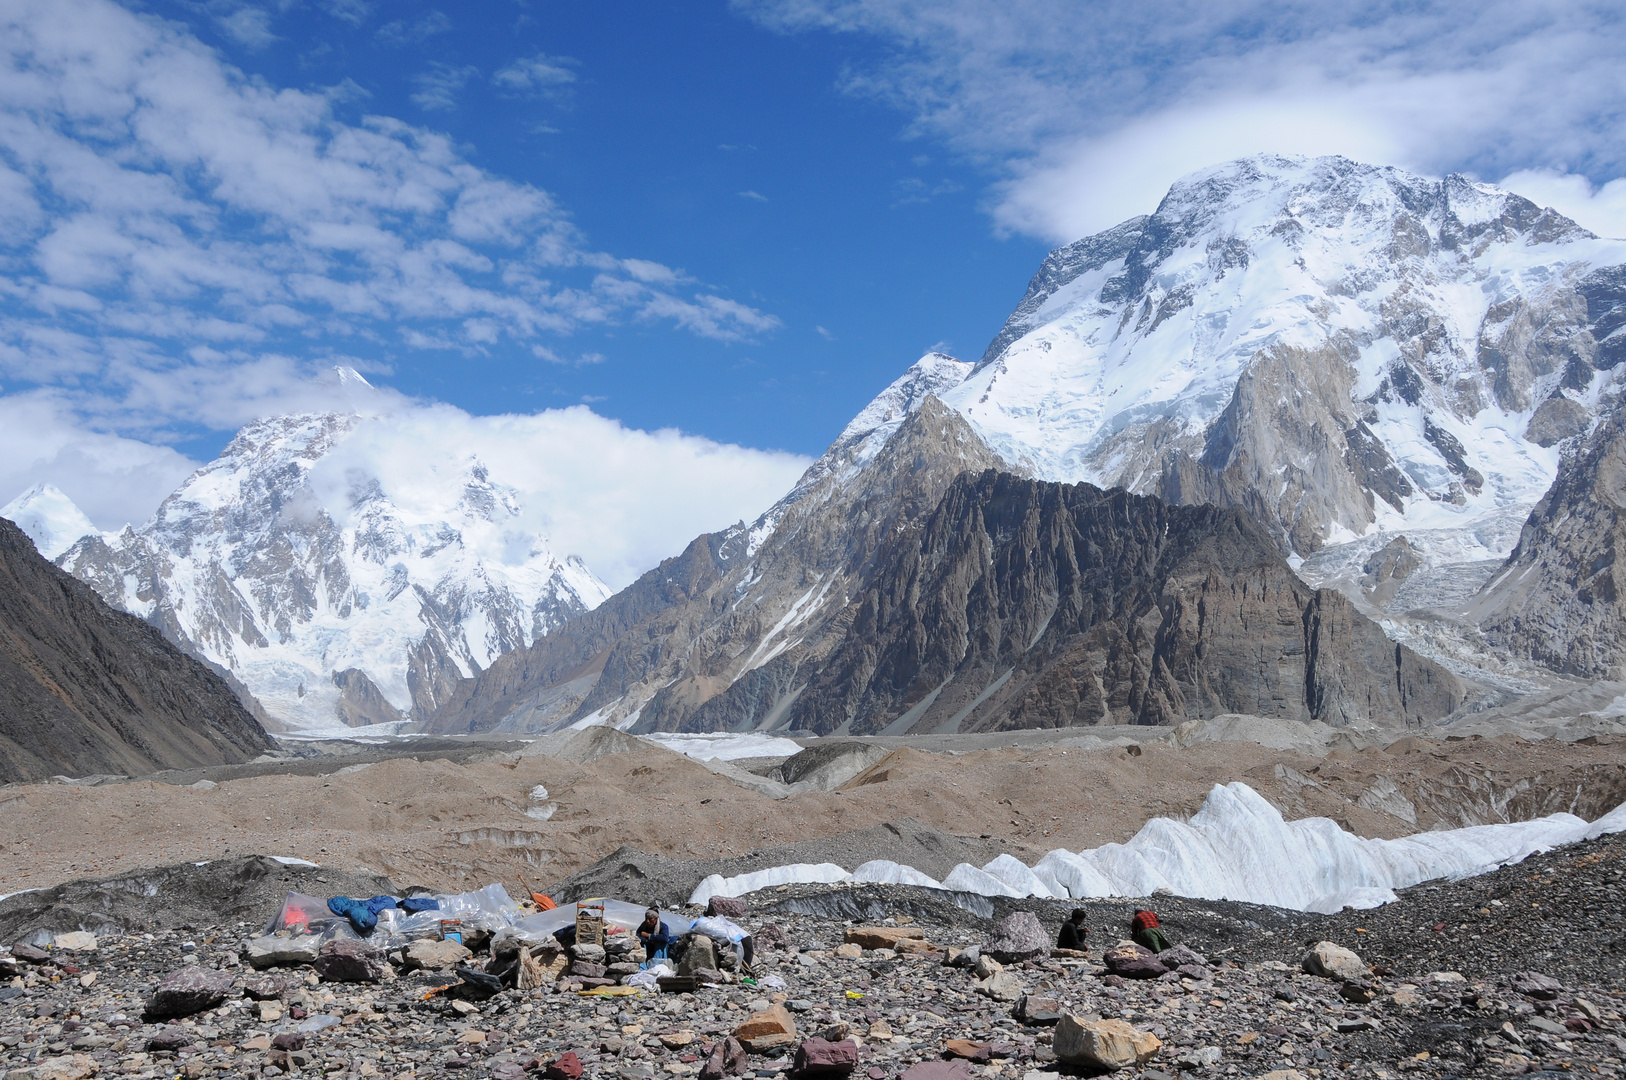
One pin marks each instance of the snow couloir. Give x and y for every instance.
(1236, 847)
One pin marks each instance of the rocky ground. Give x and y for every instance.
(1517, 971)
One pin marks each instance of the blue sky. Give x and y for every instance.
(688, 135)
(738, 219)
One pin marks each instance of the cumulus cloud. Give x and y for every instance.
(115, 480)
(437, 87)
(620, 498)
(185, 245)
(1086, 112)
(1601, 208)
(537, 76)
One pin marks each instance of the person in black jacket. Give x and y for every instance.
(1073, 932)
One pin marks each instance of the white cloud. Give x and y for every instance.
(540, 76)
(620, 498)
(1601, 209)
(1086, 112)
(116, 481)
(438, 86)
(248, 26)
(182, 245)
(400, 32)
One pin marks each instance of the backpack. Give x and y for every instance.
(1144, 920)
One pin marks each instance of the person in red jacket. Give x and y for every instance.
(1146, 932)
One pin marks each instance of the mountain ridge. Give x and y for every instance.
(85, 689)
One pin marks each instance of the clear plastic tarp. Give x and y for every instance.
(489, 909)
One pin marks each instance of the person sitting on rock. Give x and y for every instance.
(1147, 933)
(1073, 932)
(727, 933)
(655, 936)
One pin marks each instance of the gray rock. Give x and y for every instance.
(1177, 955)
(699, 954)
(192, 989)
(1533, 984)
(171, 1039)
(593, 954)
(1333, 961)
(1019, 936)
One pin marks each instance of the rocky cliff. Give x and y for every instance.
(715, 639)
(85, 689)
(1028, 604)
(1559, 598)
(909, 584)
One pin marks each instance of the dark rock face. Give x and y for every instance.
(1027, 604)
(680, 643)
(85, 689)
(189, 990)
(1558, 599)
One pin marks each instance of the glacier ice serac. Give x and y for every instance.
(338, 597)
(1236, 847)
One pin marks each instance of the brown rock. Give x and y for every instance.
(968, 1049)
(767, 1030)
(727, 1058)
(727, 907)
(823, 1057)
(881, 937)
(1103, 1044)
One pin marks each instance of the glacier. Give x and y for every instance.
(1236, 847)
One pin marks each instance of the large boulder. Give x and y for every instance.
(727, 907)
(349, 960)
(1334, 962)
(1019, 936)
(882, 937)
(700, 954)
(1103, 1044)
(190, 990)
(823, 1057)
(1134, 962)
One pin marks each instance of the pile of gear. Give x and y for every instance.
(599, 945)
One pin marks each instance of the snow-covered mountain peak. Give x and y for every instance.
(51, 519)
(1430, 321)
(338, 584)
